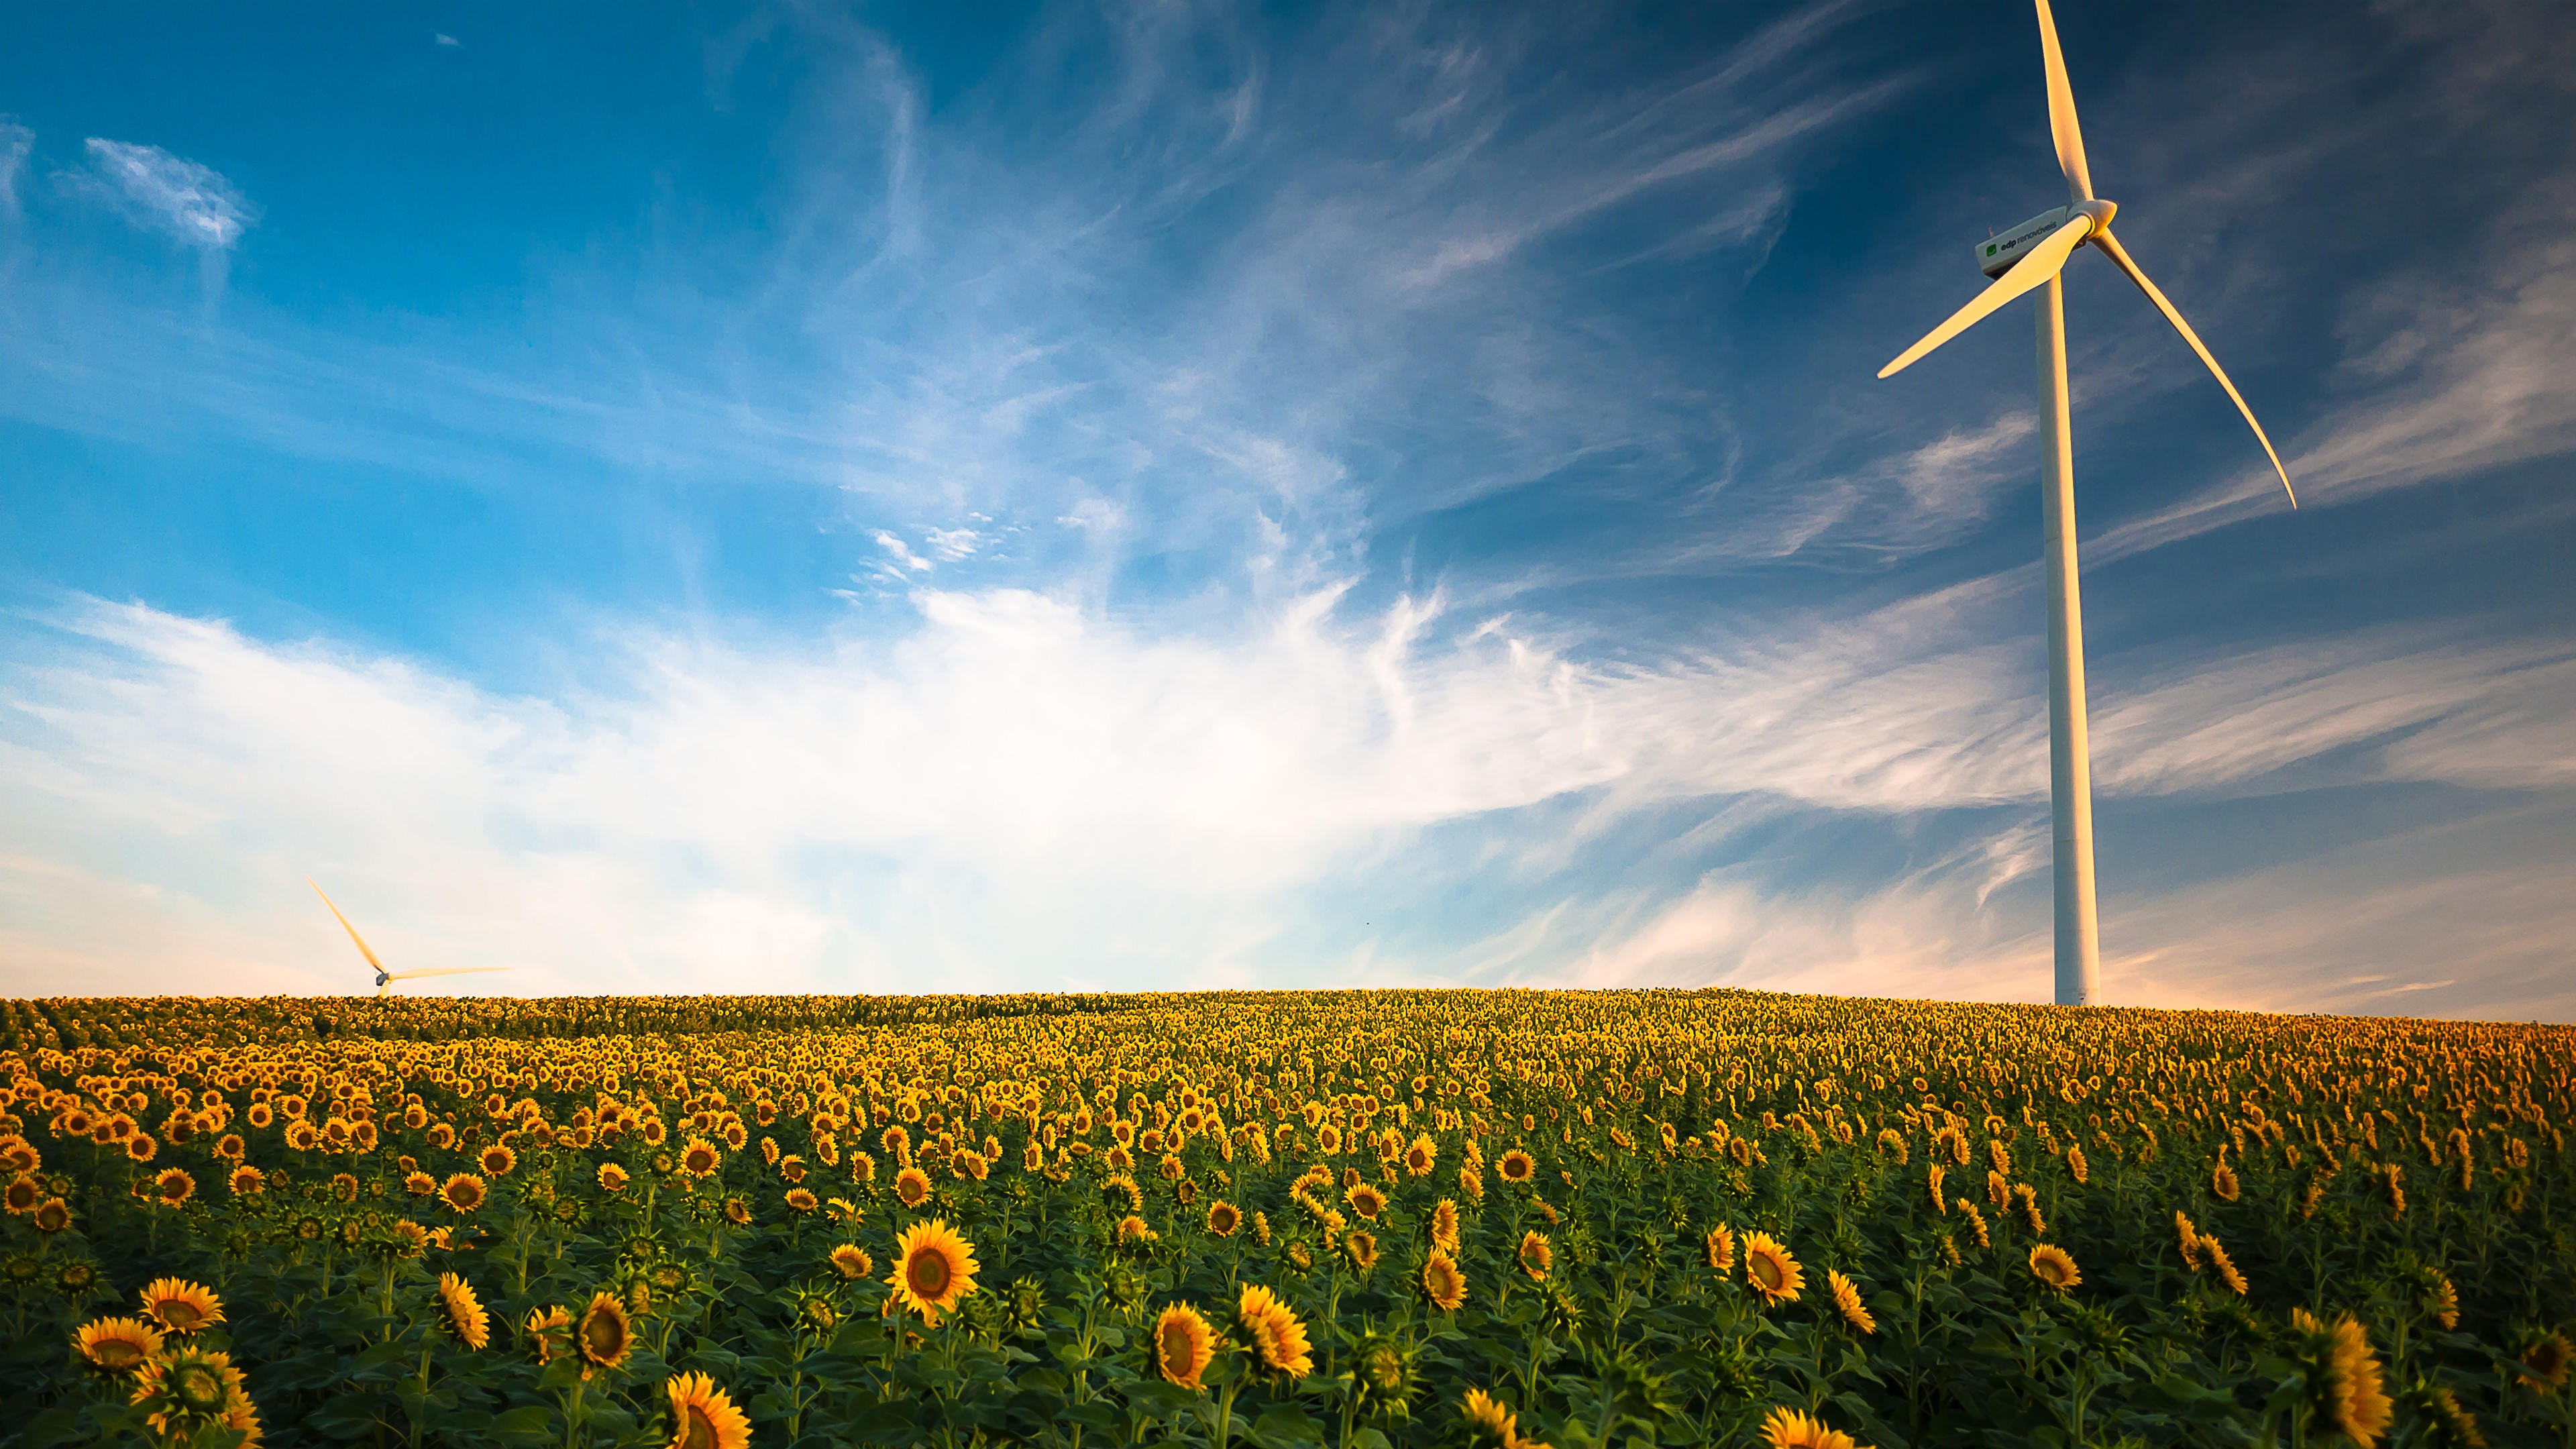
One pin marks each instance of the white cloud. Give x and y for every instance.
(446, 40)
(17, 143)
(191, 202)
(1019, 786)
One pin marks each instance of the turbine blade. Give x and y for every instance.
(440, 971)
(363, 949)
(2119, 256)
(2062, 126)
(2040, 264)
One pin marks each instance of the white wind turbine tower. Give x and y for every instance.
(386, 978)
(2023, 259)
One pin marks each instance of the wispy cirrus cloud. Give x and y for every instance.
(190, 202)
(17, 143)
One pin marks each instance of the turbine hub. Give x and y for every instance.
(2100, 210)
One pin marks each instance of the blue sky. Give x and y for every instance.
(795, 498)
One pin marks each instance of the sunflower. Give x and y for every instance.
(497, 1160)
(1444, 1226)
(852, 1261)
(1442, 1282)
(189, 1390)
(1718, 1250)
(2188, 1237)
(463, 1192)
(1771, 1269)
(802, 1199)
(1134, 1232)
(180, 1306)
(1362, 1250)
(1223, 1218)
(700, 1158)
(418, 1184)
(737, 1212)
(2054, 1266)
(933, 1269)
(1535, 1256)
(703, 1416)
(174, 1186)
(1488, 1421)
(1365, 1200)
(1790, 1429)
(22, 1194)
(2226, 1266)
(1847, 1301)
(51, 1216)
(117, 1345)
(1277, 1337)
(1183, 1345)
(612, 1178)
(465, 1316)
(605, 1334)
(2443, 1303)
(2343, 1377)
(912, 1187)
(2546, 1361)
(1422, 1156)
(549, 1331)
(2222, 1181)
(1515, 1166)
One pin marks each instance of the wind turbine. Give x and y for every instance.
(2023, 259)
(385, 978)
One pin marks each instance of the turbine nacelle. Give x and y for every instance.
(1996, 255)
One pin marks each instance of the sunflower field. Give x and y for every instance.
(1279, 1220)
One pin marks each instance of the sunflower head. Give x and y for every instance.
(549, 1332)
(606, 1333)
(1362, 1251)
(2054, 1266)
(187, 1390)
(1847, 1302)
(1223, 1218)
(1444, 1225)
(2345, 1392)
(1488, 1422)
(497, 1160)
(1365, 1200)
(1534, 1255)
(1184, 1344)
(704, 1416)
(1386, 1371)
(912, 1187)
(1515, 1166)
(463, 1192)
(1443, 1283)
(1275, 1334)
(2546, 1359)
(1772, 1269)
(116, 1345)
(464, 1313)
(852, 1261)
(612, 1178)
(700, 1158)
(1718, 1250)
(173, 1186)
(933, 1269)
(180, 1306)
(1790, 1429)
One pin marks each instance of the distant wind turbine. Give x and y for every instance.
(2027, 257)
(385, 978)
